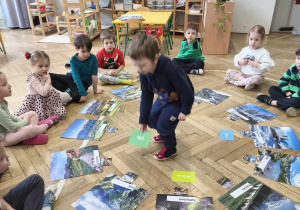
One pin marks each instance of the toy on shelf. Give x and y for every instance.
(194, 8)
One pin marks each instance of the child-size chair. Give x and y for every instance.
(146, 9)
(131, 25)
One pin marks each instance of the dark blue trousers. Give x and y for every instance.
(164, 118)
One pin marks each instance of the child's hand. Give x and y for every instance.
(143, 128)
(288, 94)
(26, 117)
(254, 63)
(181, 117)
(243, 61)
(48, 78)
(99, 91)
(83, 99)
(110, 72)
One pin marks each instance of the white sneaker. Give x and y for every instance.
(249, 87)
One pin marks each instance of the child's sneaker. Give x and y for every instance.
(48, 203)
(127, 82)
(292, 112)
(39, 139)
(249, 87)
(157, 139)
(196, 71)
(50, 121)
(68, 66)
(165, 154)
(264, 98)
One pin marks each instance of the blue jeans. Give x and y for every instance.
(164, 118)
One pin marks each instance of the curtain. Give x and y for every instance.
(15, 13)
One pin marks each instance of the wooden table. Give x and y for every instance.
(155, 19)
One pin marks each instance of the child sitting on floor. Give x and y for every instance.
(28, 194)
(41, 97)
(25, 128)
(111, 62)
(254, 61)
(287, 95)
(84, 70)
(174, 88)
(190, 57)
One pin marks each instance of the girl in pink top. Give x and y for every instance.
(41, 97)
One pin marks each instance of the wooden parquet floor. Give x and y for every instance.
(199, 146)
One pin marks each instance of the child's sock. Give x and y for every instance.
(49, 199)
(50, 120)
(38, 140)
(249, 87)
(293, 112)
(196, 71)
(126, 81)
(103, 83)
(65, 98)
(264, 98)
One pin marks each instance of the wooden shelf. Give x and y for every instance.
(196, 14)
(45, 28)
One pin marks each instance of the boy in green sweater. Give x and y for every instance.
(190, 57)
(287, 95)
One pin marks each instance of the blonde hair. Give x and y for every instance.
(259, 30)
(37, 56)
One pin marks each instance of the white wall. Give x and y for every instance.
(2, 25)
(248, 13)
(281, 13)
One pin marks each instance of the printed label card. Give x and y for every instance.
(140, 139)
(184, 176)
(226, 135)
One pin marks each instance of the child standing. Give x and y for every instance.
(254, 61)
(174, 88)
(190, 57)
(41, 97)
(84, 70)
(111, 62)
(25, 128)
(286, 96)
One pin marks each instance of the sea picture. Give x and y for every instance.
(97, 107)
(278, 167)
(111, 194)
(252, 194)
(175, 202)
(211, 96)
(274, 137)
(128, 93)
(86, 129)
(75, 162)
(251, 114)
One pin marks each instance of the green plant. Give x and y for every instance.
(220, 4)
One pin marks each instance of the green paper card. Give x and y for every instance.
(184, 176)
(140, 139)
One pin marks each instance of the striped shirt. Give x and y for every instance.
(290, 81)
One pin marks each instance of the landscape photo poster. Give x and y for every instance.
(274, 137)
(176, 202)
(211, 96)
(86, 129)
(112, 194)
(97, 107)
(251, 113)
(128, 93)
(75, 162)
(278, 167)
(252, 194)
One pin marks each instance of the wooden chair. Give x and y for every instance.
(130, 26)
(115, 16)
(168, 36)
(64, 24)
(146, 9)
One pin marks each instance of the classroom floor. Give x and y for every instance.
(199, 146)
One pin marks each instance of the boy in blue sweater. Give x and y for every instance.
(84, 71)
(174, 88)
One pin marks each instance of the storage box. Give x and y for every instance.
(169, 2)
(160, 6)
(195, 11)
(151, 6)
(151, 2)
(160, 2)
(128, 1)
(119, 6)
(135, 6)
(128, 6)
(169, 6)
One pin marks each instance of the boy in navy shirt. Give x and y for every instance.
(84, 70)
(174, 88)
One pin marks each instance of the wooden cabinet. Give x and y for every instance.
(216, 41)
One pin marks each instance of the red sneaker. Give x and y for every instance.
(165, 154)
(157, 139)
(39, 139)
(50, 120)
